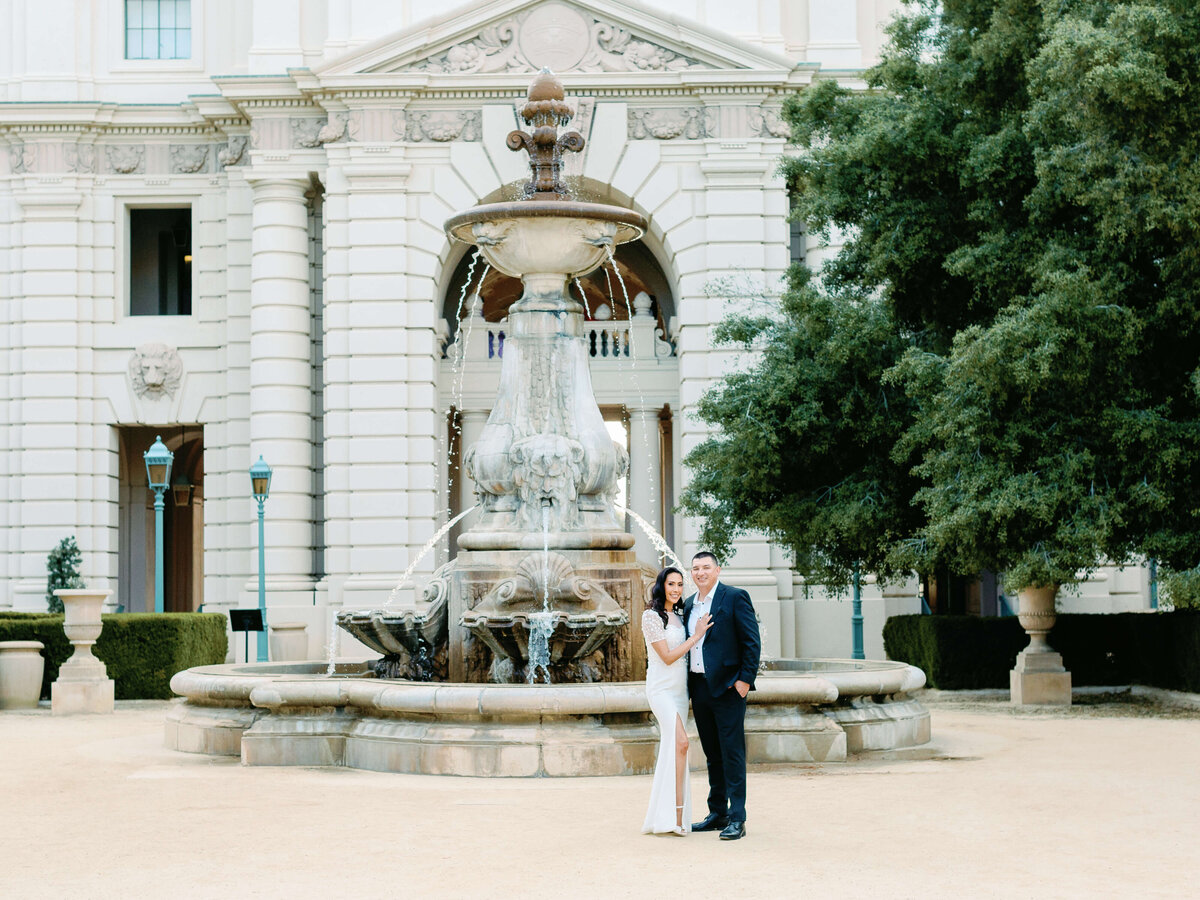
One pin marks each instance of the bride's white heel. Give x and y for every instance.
(680, 830)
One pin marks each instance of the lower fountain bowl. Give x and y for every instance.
(274, 714)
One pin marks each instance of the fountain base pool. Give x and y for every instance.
(292, 714)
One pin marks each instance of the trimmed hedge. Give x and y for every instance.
(965, 652)
(140, 650)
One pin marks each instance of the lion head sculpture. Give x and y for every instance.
(155, 370)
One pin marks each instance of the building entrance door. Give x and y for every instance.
(183, 521)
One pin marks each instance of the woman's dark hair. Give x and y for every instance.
(658, 593)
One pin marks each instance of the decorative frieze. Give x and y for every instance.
(80, 158)
(187, 159)
(690, 122)
(234, 152)
(306, 132)
(445, 125)
(561, 37)
(126, 159)
(767, 121)
(335, 129)
(22, 158)
(155, 370)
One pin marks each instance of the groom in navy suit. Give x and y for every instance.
(721, 670)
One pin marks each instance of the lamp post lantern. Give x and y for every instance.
(158, 474)
(260, 486)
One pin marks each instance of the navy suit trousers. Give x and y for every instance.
(721, 723)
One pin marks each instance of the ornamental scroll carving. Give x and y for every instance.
(561, 37)
(155, 370)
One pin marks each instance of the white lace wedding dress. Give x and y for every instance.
(666, 689)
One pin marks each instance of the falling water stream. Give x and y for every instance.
(542, 623)
(653, 488)
(331, 647)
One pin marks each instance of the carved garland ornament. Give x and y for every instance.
(691, 122)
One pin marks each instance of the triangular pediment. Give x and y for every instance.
(588, 36)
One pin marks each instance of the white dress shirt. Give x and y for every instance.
(700, 606)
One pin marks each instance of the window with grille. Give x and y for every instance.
(158, 29)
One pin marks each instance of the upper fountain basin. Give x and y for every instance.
(533, 237)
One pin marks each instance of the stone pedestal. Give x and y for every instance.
(83, 685)
(289, 641)
(21, 669)
(1039, 678)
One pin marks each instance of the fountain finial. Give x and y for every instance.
(545, 111)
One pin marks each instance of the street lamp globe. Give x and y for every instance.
(260, 480)
(158, 465)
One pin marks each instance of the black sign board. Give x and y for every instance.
(246, 619)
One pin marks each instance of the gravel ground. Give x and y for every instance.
(1099, 800)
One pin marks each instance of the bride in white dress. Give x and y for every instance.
(670, 810)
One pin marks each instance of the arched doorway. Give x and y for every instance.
(183, 521)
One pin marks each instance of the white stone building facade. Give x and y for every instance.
(221, 222)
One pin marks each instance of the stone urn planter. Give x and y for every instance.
(289, 641)
(1039, 678)
(83, 685)
(21, 670)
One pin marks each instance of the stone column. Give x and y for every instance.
(645, 479)
(281, 382)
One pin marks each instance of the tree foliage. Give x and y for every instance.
(62, 571)
(1011, 328)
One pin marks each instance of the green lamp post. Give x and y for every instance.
(158, 474)
(260, 485)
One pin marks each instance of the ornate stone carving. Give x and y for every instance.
(188, 158)
(232, 153)
(561, 37)
(664, 124)
(22, 158)
(306, 133)
(545, 111)
(334, 130)
(155, 370)
(767, 122)
(663, 348)
(400, 123)
(126, 159)
(547, 469)
(445, 125)
(80, 158)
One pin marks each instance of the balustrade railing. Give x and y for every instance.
(614, 339)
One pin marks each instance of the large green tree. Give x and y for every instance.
(1019, 187)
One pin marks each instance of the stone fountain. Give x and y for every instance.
(547, 559)
(545, 585)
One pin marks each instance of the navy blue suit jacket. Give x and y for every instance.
(731, 645)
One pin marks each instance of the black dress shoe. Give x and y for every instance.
(711, 822)
(733, 831)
